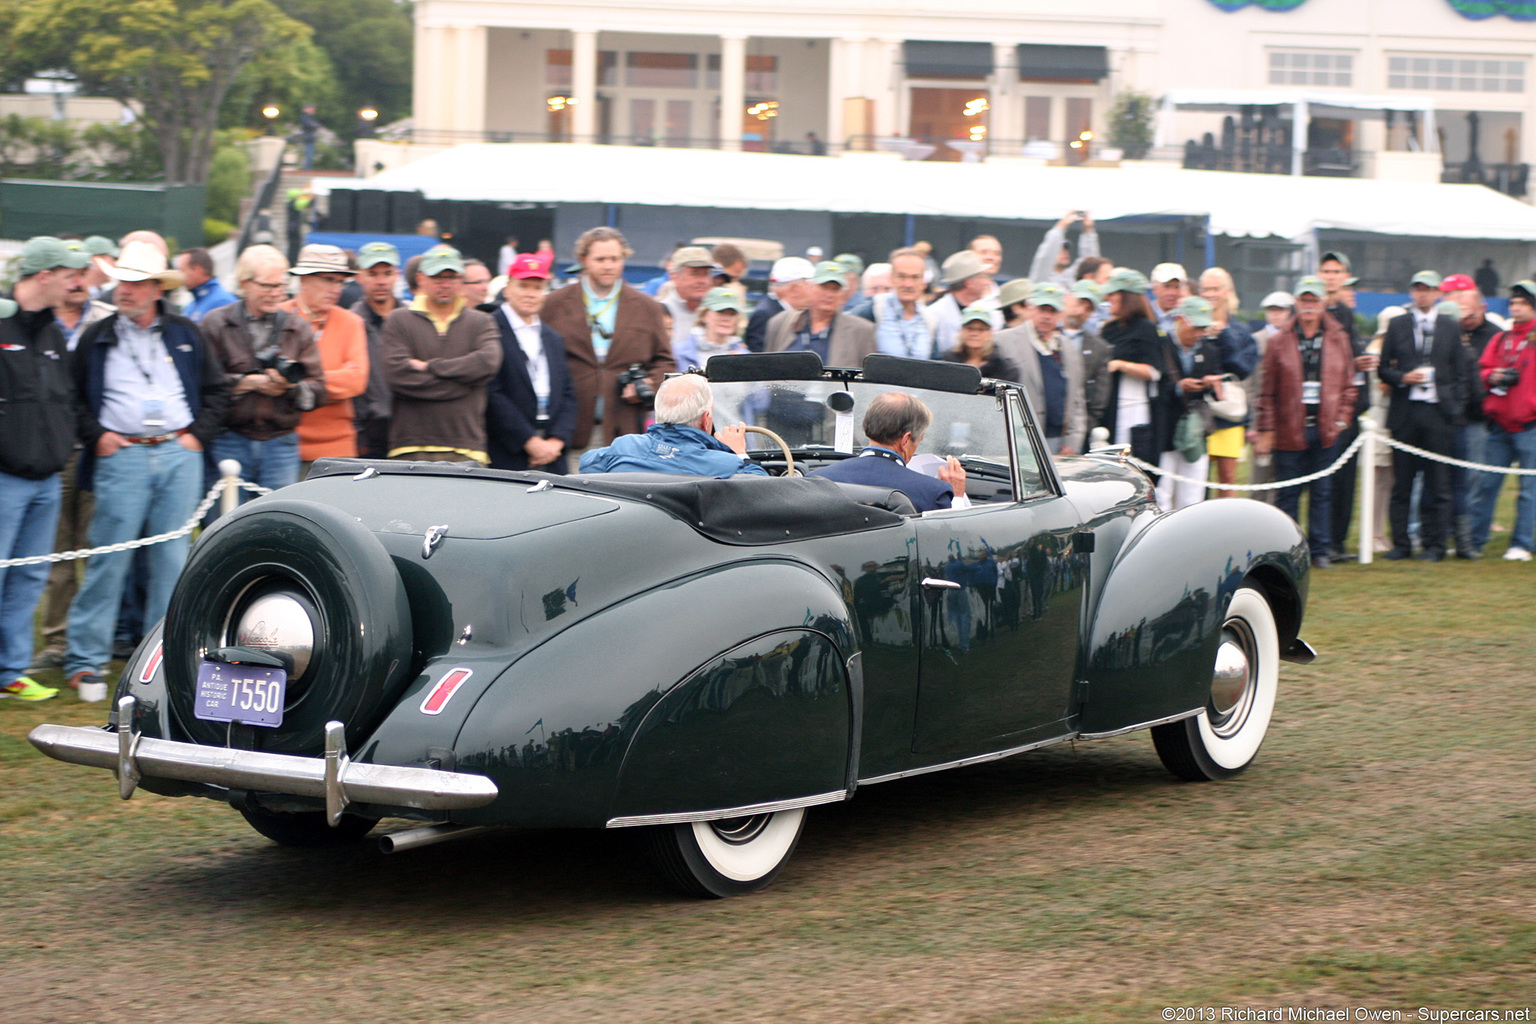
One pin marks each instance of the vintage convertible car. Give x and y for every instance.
(704, 659)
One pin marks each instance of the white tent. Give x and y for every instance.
(1238, 205)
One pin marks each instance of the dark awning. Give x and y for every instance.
(1044, 63)
(927, 59)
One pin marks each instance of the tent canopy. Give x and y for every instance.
(1238, 205)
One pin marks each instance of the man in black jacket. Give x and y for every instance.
(530, 411)
(1426, 365)
(37, 420)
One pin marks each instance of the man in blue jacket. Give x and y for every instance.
(682, 440)
(895, 423)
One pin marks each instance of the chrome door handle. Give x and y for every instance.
(934, 583)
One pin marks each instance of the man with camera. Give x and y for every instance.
(439, 353)
(152, 395)
(1508, 368)
(273, 366)
(682, 440)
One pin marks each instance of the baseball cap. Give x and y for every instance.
(721, 300)
(1014, 291)
(1525, 288)
(1449, 308)
(1457, 283)
(440, 258)
(691, 256)
(1311, 285)
(1282, 300)
(101, 245)
(46, 253)
(1426, 277)
(316, 258)
(791, 268)
(960, 266)
(1165, 272)
(1195, 311)
(1334, 254)
(374, 253)
(528, 265)
(977, 311)
(851, 263)
(1125, 279)
(1047, 294)
(1086, 289)
(828, 272)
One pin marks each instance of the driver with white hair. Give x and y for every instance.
(682, 440)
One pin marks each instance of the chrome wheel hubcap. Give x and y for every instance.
(1232, 683)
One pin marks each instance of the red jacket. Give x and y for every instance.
(1279, 405)
(1516, 409)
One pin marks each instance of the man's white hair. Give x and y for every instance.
(684, 400)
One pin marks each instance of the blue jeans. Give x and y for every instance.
(29, 513)
(1289, 466)
(273, 463)
(140, 491)
(1502, 448)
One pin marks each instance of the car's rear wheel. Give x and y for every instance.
(307, 828)
(728, 857)
(1224, 738)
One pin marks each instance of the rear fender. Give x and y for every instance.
(1158, 621)
(726, 688)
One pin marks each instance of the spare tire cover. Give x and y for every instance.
(343, 578)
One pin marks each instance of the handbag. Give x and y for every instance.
(1233, 403)
(1189, 436)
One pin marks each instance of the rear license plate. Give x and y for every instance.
(248, 694)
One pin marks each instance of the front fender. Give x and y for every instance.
(721, 689)
(1158, 621)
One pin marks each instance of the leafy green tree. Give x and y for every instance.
(229, 180)
(370, 45)
(286, 77)
(174, 59)
(1130, 124)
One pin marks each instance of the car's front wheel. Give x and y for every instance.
(1224, 738)
(728, 857)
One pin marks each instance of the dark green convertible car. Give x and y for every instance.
(703, 659)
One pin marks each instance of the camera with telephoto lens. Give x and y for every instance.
(271, 358)
(636, 375)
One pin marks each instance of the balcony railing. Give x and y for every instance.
(1511, 179)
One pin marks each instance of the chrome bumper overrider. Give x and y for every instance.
(335, 778)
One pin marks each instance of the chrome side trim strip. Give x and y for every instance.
(630, 821)
(978, 759)
(1141, 725)
(389, 785)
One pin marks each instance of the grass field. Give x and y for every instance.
(1378, 855)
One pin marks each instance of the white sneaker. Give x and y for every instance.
(93, 693)
(1517, 555)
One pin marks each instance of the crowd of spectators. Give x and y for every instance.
(125, 376)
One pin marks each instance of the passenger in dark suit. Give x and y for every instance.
(1430, 373)
(530, 412)
(895, 424)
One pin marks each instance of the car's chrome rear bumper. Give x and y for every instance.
(334, 778)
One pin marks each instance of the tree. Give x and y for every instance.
(175, 59)
(1130, 124)
(370, 45)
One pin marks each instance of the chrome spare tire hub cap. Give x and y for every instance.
(279, 623)
(1232, 682)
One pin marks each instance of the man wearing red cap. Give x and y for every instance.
(530, 412)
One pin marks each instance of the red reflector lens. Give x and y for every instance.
(153, 664)
(439, 695)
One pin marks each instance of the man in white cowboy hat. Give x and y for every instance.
(151, 396)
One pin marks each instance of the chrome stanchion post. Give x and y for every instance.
(1366, 471)
(230, 499)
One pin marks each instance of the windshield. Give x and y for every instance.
(972, 426)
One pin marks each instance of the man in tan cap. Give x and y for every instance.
(327, 429)
(151, 395)
(967, 280)
(691, 270)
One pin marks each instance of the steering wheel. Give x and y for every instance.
(789, 460)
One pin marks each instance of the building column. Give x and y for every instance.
(837, 64)
(733, 90)
(469, 73)
(1004, 120)
(584, 85)
(892, 81)
(431, 95)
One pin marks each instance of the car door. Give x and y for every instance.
(1000, 606)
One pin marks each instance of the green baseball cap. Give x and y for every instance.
(1047, 294)
(830, 272)
(1448, 308)
(439, 259)
(1196, 312)
(47, 253)
(1427, 278)
(1525, 289)
(1312, 285)
(977, 311)
(1014, 291)
(851, 263)
(1124, 279)
(1086, 289)
(374, 253)
(1335, 255)
(101, 245)
(722, 300)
